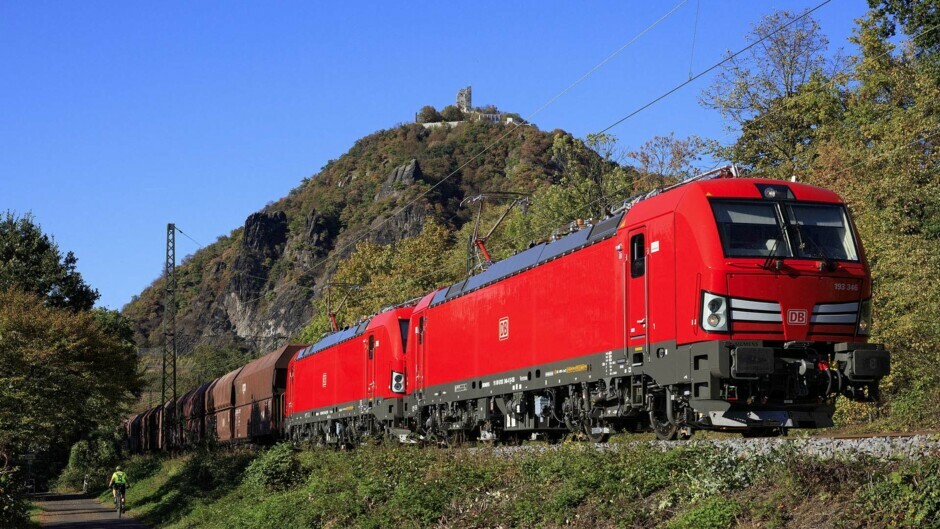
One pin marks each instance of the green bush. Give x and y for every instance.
(714, 513)
(276, 469)
(96, 458)
(906, 497)
(212, 472)
(14, 509)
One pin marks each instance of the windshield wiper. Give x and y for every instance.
(828, 262)
(771, 256)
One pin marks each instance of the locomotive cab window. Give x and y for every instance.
(821, 231)
(749, 229)
(788, 229)
(403, 327)
(637, 255)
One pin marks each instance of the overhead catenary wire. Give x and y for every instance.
(543, 107)
(710, 68)
(199, 244)
(698, 6)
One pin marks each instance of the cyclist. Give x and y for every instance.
(118, 483)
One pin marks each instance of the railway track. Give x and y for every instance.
(871, 435)
(887, 445)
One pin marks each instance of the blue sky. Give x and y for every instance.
(118, 117)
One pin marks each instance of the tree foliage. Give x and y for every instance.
(918, 18)
(452, 113)
(667, 159)
(31, 261)
(388, 275)
(61, 372)
(429, 114)
(209, 362)
(768, 80)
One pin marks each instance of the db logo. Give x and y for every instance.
(797, 317)
(504, 328)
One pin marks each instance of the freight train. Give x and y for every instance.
(722, 303)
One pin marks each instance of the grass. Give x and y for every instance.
(571, 486)
(34, 513)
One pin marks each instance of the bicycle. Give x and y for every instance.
(120, 501)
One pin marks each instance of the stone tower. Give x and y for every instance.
(464, 99)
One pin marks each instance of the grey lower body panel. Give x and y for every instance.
(380, 408)
(745, 419)
(588, 368)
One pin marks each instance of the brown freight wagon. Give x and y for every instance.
(151, 425)
(259, 395)
(132, 432)
(220, 407)
(166, 435)
(194, 415)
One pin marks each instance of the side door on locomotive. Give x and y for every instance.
(650, 278)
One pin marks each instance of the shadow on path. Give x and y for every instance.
(75, 511)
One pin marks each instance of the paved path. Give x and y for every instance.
(74, 511)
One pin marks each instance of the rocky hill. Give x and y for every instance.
(255, 287)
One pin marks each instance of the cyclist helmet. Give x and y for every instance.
(117, 469)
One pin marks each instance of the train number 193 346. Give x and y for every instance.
(850, 287)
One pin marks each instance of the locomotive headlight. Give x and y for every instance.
(864, 317)
(714, 312)
(715, 305)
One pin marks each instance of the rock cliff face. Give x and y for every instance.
(399, 179)
(255, 288)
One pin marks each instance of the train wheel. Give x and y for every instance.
(664, 430)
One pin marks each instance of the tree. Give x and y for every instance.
(591, 180)
(664, 160)
(31, 261)
(452, 113)
(916, 17)
(61, 372)
(207, 362)
(388, 275)
(429, 114)
(766, 81)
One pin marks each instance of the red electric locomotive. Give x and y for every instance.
(350, 384)
(722, 303)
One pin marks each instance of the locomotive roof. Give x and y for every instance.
(747, 188)
(744, 188)
(339, 337)
(334, 339)
(534, 256)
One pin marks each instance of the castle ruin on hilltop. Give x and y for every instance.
(464, 103)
